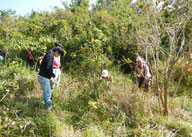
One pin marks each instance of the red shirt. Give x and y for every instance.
(31, 53)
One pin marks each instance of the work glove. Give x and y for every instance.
(142, 85)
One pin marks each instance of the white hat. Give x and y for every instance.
(105, 73)
(139, 59)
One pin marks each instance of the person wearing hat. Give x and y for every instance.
(143, 76)
(109, 79)
(105, 75)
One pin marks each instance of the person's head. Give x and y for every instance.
(105, 73)
(58, 51)
(58, 44)
(139, 61)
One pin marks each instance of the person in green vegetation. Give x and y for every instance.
(30, 56)
(143, 76)
(105, 75)
(109, 79)
(56, 68)
(46, 73)
(2, 55)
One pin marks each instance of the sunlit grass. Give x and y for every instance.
(81, 110)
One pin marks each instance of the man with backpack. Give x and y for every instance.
(143, 76)
(46, 73)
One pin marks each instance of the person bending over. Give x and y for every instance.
(143, 76)
(46, 73)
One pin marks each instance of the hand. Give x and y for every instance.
(142, 85)
(40, 61)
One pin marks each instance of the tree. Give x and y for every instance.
(166, 40)
(76, 4)
(7, 19)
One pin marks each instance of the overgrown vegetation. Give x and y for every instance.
(110, 35)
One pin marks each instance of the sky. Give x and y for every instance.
(23, 7)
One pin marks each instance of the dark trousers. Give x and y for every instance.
(141, 79)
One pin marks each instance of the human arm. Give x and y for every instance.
(49, 66)
(147, 73)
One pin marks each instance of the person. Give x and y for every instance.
(109, 79)
(31, 54)
(105, 75)
(1, 57)
(40, 60)
(143, 76)
(46, 73)
(56, 68)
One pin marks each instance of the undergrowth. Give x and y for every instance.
(86, 108)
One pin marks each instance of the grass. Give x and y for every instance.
(85, 108)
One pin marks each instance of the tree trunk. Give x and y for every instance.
(165, 110)
(157, 74)
(166, 86)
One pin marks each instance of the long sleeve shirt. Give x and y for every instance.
(142, 71)
(46, 68)
(31, 53)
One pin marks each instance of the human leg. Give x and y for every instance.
(45, 84)
(53, 80)
(58, 77)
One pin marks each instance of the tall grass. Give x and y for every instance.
(85, 108)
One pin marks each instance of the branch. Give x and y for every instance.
(181, 47)
(179, 82)
(183, 14)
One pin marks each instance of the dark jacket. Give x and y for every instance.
(2, 53)
(46, 68)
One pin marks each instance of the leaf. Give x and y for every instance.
(138, 75)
